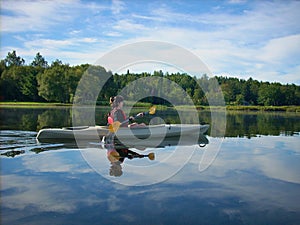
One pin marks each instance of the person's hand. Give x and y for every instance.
(140, 114)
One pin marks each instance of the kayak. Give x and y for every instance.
(96, 132)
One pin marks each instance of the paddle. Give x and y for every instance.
(116, 155)
(151, 156)
(114, 127)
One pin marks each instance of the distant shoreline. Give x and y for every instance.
(33, 104)
(228, 107)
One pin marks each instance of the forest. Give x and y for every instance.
(40, 82)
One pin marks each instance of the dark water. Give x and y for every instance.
(253, 178)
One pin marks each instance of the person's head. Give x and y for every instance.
(115, 169)
(116, 101)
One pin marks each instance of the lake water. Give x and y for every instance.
(250, 176)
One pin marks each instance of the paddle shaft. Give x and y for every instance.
(150, 156)
(133, 118)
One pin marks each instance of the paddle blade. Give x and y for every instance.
(114, 127)
(152, 110)
(151, 156)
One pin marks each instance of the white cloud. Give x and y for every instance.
(285, 49)
(113, 34)
(117, 6)
(126, 25)
(236, 1)
(53, 163)
(46, 15)
(43, 195)
(143, 17)
(33, 15)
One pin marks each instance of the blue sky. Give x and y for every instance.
(238, 38)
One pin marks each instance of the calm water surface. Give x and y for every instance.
(254, 179)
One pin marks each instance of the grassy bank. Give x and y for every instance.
(140, 104)
(247, 108)
(265, 108)
(33, 104)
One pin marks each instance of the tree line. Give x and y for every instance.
(40, 82)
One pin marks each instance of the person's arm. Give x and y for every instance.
(132, 118)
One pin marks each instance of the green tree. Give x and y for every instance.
(11, 80)
(9, 89)
(231, 87)
(19, 83)
(228, 93)
(240, 99)
(73, 76)
(52, 84)
(13, 60)
(198, 96)
(2, 67)
(39, 61)
(246, 91)
(270, 94)
(87, 92)
(254, 87)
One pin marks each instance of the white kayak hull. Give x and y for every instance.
(96, 132)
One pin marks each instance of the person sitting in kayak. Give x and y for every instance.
(117, 113)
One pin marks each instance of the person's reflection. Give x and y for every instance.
(115, 160)
(116, 156)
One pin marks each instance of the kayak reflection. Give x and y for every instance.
(183, 140)
(110, 153)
